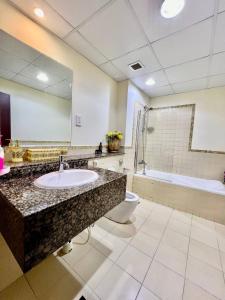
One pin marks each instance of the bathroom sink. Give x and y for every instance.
(66, 179)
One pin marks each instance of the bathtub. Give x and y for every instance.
(201, 197)
(212, 186)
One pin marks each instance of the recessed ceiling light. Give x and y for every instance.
(42, 77)
(150, 81)
(39, 12)
(171, 8)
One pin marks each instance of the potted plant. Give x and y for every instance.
(114, 138)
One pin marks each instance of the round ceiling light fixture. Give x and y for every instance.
(39, 12)
(42, 77)
(150, 82)
(171, 8)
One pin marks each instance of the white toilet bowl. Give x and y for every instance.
(123, 211)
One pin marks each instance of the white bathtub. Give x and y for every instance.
(212, 186)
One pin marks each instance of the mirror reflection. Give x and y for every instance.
(35, 95)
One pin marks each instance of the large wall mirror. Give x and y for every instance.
(35, 95)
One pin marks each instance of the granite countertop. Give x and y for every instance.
(29, 199)
(72, 156)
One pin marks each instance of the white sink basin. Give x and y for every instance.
(66, 179)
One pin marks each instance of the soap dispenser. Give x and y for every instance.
(1, 155)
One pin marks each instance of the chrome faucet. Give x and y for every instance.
(62, 164)
(142, 162)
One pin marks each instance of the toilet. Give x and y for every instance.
(123, 211)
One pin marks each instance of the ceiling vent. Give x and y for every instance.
(136, 66)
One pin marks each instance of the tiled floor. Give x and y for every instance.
(161, 254)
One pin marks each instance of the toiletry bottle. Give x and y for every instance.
(100, 148)
(1, 156)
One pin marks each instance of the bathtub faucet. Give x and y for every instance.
(143, 162)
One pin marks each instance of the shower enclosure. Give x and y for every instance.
(141, 139)
(163, 139)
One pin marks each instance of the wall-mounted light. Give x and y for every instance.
(171, 8)
(39, 12)
(42, 77)
(150, 82)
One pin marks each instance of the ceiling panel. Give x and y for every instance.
(188, 71)
(16, 64)
(114, 31)
(189, 86)
(52, 20)
(219, 44)
(217, 80)
(221, 5)
(29, 82)
(112, 71)
(110, 36)
(218, 64)
(6, 74)
(190, 44)
(159, 91)
(158, 76)
(49, 65)
(76, 11)
(32, 71)
(62, 89)
(75, 40)
(145, 55)
(17, 48)
(157, 27)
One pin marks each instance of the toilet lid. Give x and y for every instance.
(131, 197)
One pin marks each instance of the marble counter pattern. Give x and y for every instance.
(36, 222)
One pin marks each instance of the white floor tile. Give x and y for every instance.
(145, 294)
(143, 210)
(221, 243)
(180, 227)
(46, 274)
(220, 228)
(111, 246)
(172, 258)
(222, 255)
(206, 236)
(136, 221)
(194, 292)
(134, 262)
(18, 290)
(205, 276)
(77, 253)
(176, 240)
(105, 224)
(67, 288)
(182, 216)
(203, 223)
(147, 205)
(145, 243)
(9, 267)
(117, 257)
(117, 284)
(205, 253)
(93, 267)
(220, 232)
(125, 232)
(164, 283)
(153, 228)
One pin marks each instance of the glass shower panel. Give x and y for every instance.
(160, 136)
